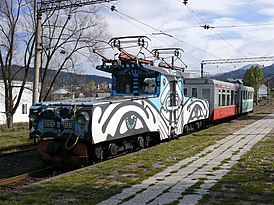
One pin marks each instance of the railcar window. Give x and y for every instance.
(232, 97)
(223, 97)
(220, 97)
(228, 98)
(194, 92)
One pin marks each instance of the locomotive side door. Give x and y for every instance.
(173, 108)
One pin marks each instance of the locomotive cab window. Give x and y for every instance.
(147, 83)
(185, 92)
(136, 82)
(124, 83)
(194, 92)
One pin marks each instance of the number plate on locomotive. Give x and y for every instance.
(49, 124)
(69, 125)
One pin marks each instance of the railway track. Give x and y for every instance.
(27, 178)
(10, 150)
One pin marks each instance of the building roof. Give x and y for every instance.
(61, 91)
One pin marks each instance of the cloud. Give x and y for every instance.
(183, 24)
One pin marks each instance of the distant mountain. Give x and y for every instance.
(239, 74)
(64, 78)
(246, 67)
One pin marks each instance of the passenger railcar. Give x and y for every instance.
(225, 99)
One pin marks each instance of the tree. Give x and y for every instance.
(253, 77)
(67, 36)
(65, 39)
(15, 47)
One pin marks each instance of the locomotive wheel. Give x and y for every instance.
(187, 129)
(197, 125)
(112, 149)
(141, 142)
(99, 153)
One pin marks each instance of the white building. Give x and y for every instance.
(22, 112)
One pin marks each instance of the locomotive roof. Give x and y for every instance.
(169, 73)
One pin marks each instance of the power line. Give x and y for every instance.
(113, 8)
(245, 26)
(196, 17)
(206, 26)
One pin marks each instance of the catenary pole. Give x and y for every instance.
(234, 60)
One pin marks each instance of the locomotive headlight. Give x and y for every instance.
(32, 118)
(116, 64)
(82, 118)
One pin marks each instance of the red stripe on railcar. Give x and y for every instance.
(223, 112)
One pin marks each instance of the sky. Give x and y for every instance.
(238, 29)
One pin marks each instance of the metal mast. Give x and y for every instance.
(51, 5)
(235, 60)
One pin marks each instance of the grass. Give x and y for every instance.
(250, 178)
(18, 135)
(98, 182)
(250, 181)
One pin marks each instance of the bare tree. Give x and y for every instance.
(13, 42)
(67, 35)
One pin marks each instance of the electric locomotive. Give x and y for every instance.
(147, 105)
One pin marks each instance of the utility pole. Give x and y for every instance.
(37, 58)
(51, 5)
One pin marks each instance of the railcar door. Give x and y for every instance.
(240, 100)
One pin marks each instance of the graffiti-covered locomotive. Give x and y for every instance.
(147, 105)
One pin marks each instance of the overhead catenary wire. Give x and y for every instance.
(196, 17)
(165, 15)
(219, 27)
(244, 25)
(113, 8)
